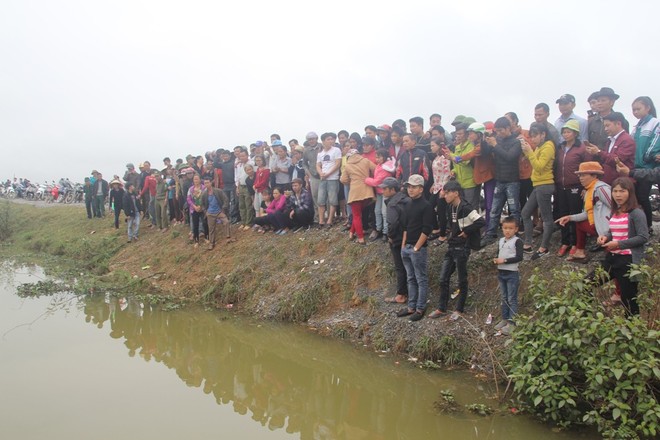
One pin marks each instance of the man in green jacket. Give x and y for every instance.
(162, 219)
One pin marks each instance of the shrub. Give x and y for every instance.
(572, 364)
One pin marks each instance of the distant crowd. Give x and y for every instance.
(409, 186)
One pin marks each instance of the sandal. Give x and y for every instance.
(580, 259)
(563, 250)
(398, 299)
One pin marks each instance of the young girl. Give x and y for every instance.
(645, 134)
(384, 169)
(441, 168)
(541, 155)
(266, 198)
(624, 244)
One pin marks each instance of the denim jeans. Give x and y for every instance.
(417, 274)
(133, 226)
(509, 282)
(381, 216)
(505, 192)
(455, 259)
(230, 192)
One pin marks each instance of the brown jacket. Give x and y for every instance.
(357, 169)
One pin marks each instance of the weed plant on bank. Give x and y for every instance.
(574, 362)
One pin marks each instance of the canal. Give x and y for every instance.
(101, 367)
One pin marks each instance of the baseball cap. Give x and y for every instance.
(565, 99)
(415, 180)
(390, 182)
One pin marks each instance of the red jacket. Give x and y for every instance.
(567, 164)
(261, 179)
(149, 184)
(624, 149)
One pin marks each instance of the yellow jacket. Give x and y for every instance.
(542, 160)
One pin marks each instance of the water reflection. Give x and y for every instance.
(285, 382)
(288, 380)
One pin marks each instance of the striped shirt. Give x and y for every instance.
(619, 231)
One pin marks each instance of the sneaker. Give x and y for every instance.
(503, 323)
(404, 312)
(298, 229)
(538, 254)
(416, 316)
(455, 316)
(373, 236)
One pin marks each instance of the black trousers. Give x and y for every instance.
(617, 267)
(399, 269)
(567, 202)
(643, 193)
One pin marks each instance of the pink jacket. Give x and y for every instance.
(381, 173)
(276, 205)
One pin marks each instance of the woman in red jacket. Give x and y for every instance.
(261, 180)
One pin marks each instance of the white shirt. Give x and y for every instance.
(328, 159)
(613, 141)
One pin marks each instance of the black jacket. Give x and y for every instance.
(396, 205)
(469, 221)
(104, 186)
(117, 196)
(507, 154)
(131, 204)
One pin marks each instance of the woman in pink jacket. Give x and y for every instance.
(384, 168)
(274, 214)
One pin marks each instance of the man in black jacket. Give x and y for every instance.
(131, 206)
(507, 151)
(397, 203)
(416, 223)
(464, 223)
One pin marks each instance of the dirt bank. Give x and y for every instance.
(317, 278)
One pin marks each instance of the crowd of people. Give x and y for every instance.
(407, 186)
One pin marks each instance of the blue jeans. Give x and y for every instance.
(417, 275)
(381, 216)
(455, 259)
(133, 226)
(509, 282)
(505, 192)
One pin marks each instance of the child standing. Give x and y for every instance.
(384, 169)
(509, 256)
(624, 243)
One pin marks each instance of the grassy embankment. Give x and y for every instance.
(319, 278)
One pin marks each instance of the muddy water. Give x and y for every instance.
(108, 368)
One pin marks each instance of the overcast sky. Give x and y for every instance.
(93, 85)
